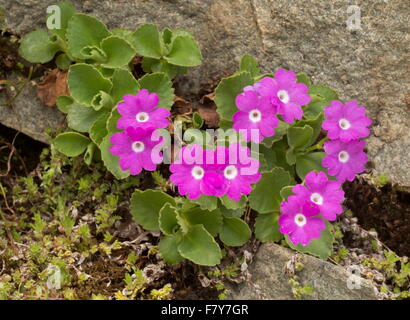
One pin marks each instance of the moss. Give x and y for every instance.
(381, 180)
(161, 294)
(397, 272)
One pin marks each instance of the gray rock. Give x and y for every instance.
(27, 113)
(269, 279)
(370, 65)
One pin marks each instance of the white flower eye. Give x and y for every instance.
(138, 146)
(197, 172)
(343, 156)
(230, 172)
(283, 96)
(316, 198)
(300, 220)
(142, 117)
(255, 115)
(344, 124)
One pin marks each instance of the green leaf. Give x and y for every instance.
(235, 232)
(279, 159)
(123, 82)
(86, 82)
(291, 156)
(324, 91)
(315, 124)
(63, 62)
(269, 155)
(161, 85)
(167, 35)
(226, 92)
(200, 247)
(151, 65)
(89, 153)
(207, 202)
(146, 205)
(249, 63)
(263, 163)
(313, 109)
(94, 53)
(102, 100)
(298, 137)
(147, 42)
(233, 205)
(112, 122)
(37, 47)
(168, 248)
(99, 129)
(111, 162)
(167, 219)
(184, 52)
(321, 247)
(266, 197)
(180, 32)
(197, 121)
(83, 32)
(267, 227)
(201, 137)
(67, 10)
(63, 103)
(303, 78)
(81, 118)
(231, 212)
(280, 131)
(286, 192)
(265, 75)
(126, 34)
(211, 220)
(106, 72)
(119, 52)
(71, 144)
(225, 124)
(309, 162)
(226, 137)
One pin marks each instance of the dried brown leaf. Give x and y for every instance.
(53, 85)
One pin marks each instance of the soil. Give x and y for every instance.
(8, 54)
(385, 209)
(24, 159)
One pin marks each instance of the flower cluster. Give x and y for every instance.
(260, 104)
(304, 212)
(135, 145)
(345, 124)
(223, 171)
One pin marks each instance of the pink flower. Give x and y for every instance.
(191, 173)
(214, 183)
(344, 159)
(238, 169)
(228, 171)
(299, 220)
(135, 149)
(140, 111)
(325, 193)
(285, 94)
(346, 122)
(254, 113)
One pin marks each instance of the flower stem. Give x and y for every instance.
(318, 145)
